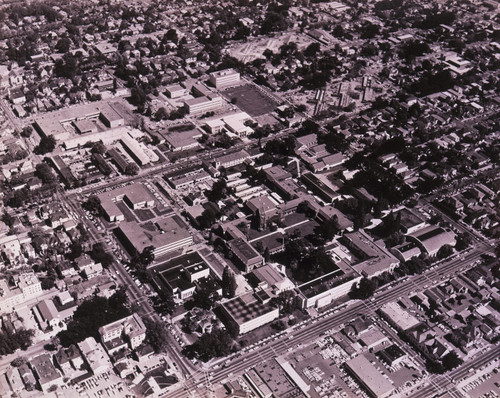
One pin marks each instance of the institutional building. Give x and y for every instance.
(201, 105)
(169, 234)
(130, 328)
(431, 239)
(136, 196)
(27, 287)
(249, 311)
(224, 78)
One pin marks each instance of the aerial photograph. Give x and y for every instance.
(250, 198)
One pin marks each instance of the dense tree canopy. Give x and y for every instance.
(10, 341)
(156, 334)
(46, 145)
(212, 345)
(91, 315)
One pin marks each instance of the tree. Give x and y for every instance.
(93, 313)
(312, 49)
(10, 341)
(219, 191)
(229, 284)
(161, 114)
(63, 45)
(45, 173)
(445, 251)
(46, 145)
(93, 204)
(327, 229)
(99, 147)
(27, 131)
(279, 325)
(363, 289)
(164, 304)
(211, 345)
(206, 295)
(464, 240)
(47, 283)
(131, 169)
(19, 361)
(147, 256)
(100, 255)
(287, 302)
(138, 97)
(156, 334)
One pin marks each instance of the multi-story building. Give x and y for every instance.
(169, 234)
(249, 311)
(201, 105)
(131, 328)
(27, 287)
(224, 78)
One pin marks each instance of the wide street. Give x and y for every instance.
(307, 332)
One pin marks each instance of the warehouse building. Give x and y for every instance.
(369, 377)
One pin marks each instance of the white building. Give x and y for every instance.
(201, 105)
(130, 327)
(27, 287)
(224, 78)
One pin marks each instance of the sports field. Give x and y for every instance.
(250, 99)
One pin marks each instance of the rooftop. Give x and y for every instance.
(398, 315)
(246, 307)
(371, 377)
(44, 369)
(166, 232)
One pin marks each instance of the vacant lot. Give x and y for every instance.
(249, 99)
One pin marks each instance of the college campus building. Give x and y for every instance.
(165, 235)
(130, 329)
(27, 287)
(249, 311)
(246, 255)
(431, 239)
(224, 78)
(136, 196)
(200, 105)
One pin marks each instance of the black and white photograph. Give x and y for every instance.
(249, 199)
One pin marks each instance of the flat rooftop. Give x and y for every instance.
(370, 376)
(164, 232)
(246, 307)
(399, 316)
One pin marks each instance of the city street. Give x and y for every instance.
(311, 329)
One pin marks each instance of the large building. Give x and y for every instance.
(169, 234)
(224, 78)
(245, 254)
(249, 311)
(398, 317)
(61, 123)
(201, 105)
(372, 380)
(27, 287)
(431, 239)
(375, 259)
(180, 275)
(95, 356)
(231, 159)
(45, 372)
(136, 196)
(130, 328)
(138, 151)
